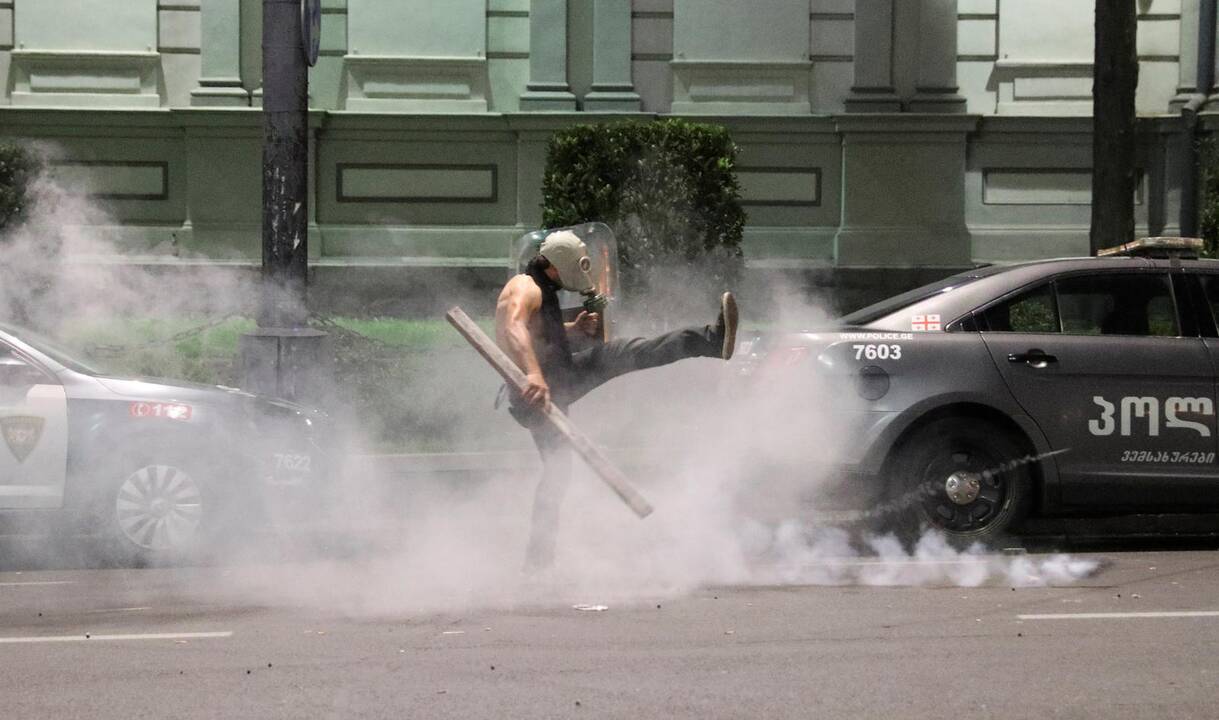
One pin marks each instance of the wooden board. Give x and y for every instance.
(507, 369)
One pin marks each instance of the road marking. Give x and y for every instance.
(1122, 615)
(117, 610)
(91, 637)
(28, 583)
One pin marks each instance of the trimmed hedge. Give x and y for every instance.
(666, 188)
(1210, 198)
(18, 167)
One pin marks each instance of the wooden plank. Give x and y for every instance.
(508, 370)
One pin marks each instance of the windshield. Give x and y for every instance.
(891, 305)
(50, 348)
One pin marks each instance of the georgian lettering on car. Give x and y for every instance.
(1147, 409)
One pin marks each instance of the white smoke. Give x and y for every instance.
(733, 473)
(69, 264)
(705, 454)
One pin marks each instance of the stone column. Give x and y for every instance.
(903, 190)
(1187, 76)
(612, 88)
(547, 88)
(220, 56)
(873, 89)
(1212, 100)
(936, 90)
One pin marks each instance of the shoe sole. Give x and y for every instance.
(729, 309)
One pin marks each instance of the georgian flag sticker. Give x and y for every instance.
(930, 323)
(21, 434)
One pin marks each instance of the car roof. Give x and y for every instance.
(975, 288)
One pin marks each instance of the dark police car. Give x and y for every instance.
(1055, 388)
(159, 469)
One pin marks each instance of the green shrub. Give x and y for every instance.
(18, 167)
(666, 188)
(1209, 157)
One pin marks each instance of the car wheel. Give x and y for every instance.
(158, 512)
(963, 477)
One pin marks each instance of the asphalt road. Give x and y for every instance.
(1137, 638)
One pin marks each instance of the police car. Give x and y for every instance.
(160, 470)
(1047, 389)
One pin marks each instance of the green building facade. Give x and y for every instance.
(874, 133)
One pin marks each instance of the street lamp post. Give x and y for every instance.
(285, 154)
(284, 356)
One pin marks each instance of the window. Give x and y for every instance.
(16, 372)
(890, 306)
(1210, 287)
(1117, 304)
(1109, 304)
(1029, 312)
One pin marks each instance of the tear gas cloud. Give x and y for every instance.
(733, 476)
(55, 268)
(732, 471)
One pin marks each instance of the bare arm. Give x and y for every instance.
(516, 308)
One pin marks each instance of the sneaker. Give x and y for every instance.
(725, 325)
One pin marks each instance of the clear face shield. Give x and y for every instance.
(602, 252)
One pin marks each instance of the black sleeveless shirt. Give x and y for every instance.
(553, 350)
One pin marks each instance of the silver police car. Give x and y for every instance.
(1066, 387)
(159, 470)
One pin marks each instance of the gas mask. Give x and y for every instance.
(568, 255)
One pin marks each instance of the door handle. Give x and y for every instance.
(1034, 358)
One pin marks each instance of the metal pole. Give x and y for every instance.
(285, 154)
(285, 357)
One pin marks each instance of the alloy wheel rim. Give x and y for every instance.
(159, 507)
(964, 490)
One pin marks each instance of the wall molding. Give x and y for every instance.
(115, 179)
(1043, 87)
(755, 191)
(405, 84)
(738, 87)
(443, 181)
(76, 78)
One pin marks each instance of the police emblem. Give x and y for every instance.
(21, 434)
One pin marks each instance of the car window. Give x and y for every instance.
(1117, 304)
(17, 372)
(1210, 290)
(51, 349)
(1109, 304)
(1031, 312)
(896, 303)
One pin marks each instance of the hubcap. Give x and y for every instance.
(159, 507)
(963, 487)
(964, 492)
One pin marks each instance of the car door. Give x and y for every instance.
(1100, 363)
(33, 432)
(1204, 288)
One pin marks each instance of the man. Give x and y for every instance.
(529, 327)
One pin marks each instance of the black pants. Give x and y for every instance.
(591, 369)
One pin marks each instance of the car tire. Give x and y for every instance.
(966, 478)
(159, 511)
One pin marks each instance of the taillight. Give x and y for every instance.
(783, 357)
